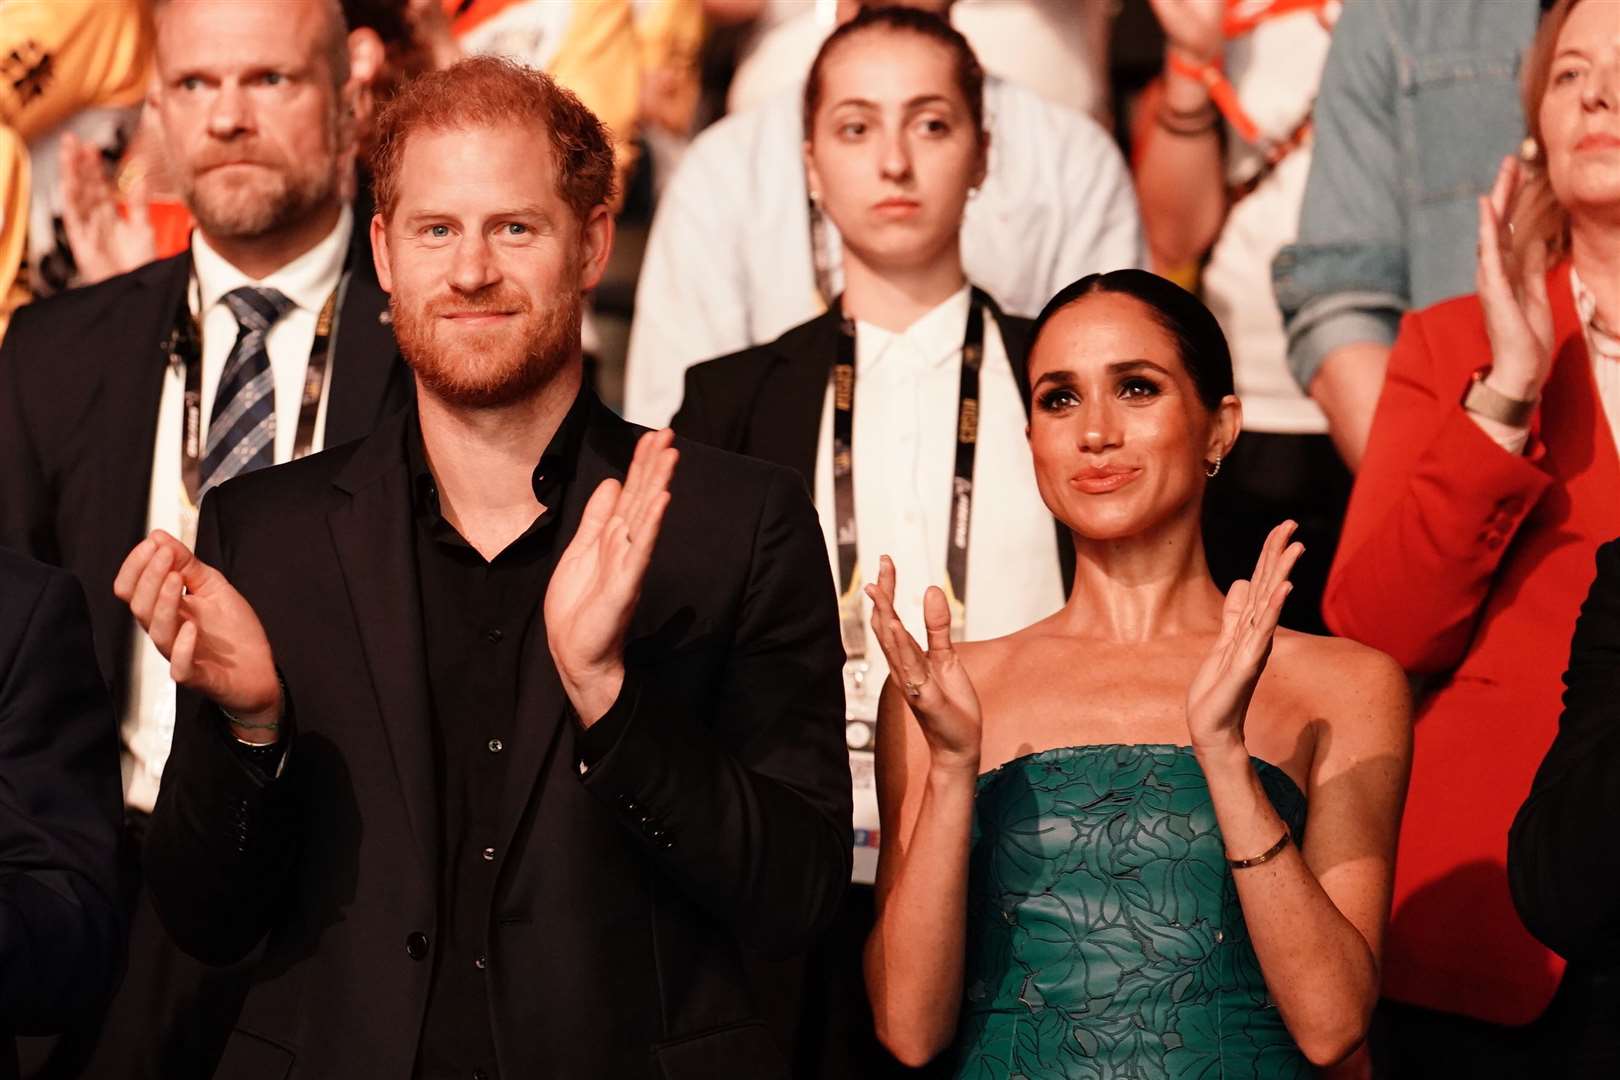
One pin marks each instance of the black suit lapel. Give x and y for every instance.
(132, 394)
(1016, 341)
(542, 706)
(369, 380)
(373, 533)
(785, 420)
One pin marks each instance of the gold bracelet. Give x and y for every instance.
(1270, 853)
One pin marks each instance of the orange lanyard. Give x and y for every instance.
(1242, 17)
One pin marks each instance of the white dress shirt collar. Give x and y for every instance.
(1603, 341)
(934, 338)
(307, 281)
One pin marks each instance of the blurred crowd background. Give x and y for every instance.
(83, 191)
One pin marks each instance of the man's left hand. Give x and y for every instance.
(597, 582)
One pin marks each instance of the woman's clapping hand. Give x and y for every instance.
(1518, 314)
(935, 683)
(1218, 698)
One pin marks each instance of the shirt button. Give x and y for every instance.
(494, 636)
(481, 963)
(480, 1074)
(416, 945)
(489, 854)
(1220, 936)
(496, 746)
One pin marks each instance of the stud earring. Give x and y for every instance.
(1212, 467)
(1529, 150)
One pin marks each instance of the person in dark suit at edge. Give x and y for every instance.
(484, 839)
(61, 929)
(1562, 861)
(121, 403)
(909, 367)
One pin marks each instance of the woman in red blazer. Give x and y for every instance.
(1491, 477)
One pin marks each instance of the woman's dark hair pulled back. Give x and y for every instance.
(1198, 337)
(969, 74)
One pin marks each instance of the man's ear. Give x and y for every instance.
(366, 58)
(366, 55)
(596, 244)
(379, 253)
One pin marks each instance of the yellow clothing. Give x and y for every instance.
(56, 58)
(589, 46)
(670, 33)
(13, 218)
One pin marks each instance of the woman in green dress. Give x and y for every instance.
(1151, 835)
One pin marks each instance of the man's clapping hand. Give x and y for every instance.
(210, 635)
(597, 582)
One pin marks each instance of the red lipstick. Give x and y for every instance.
(1103, 479)
(1598, 140)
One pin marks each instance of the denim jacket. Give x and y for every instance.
(1418, 105)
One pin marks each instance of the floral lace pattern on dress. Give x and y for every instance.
(1105, 938)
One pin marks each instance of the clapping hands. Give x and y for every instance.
(1218, 698)
(1518, 314)
(104, 242)
(594, 590)
(207, 631)
(936, 685)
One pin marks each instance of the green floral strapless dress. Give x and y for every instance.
(1105, 938)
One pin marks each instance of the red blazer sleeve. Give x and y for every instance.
(1435, 505)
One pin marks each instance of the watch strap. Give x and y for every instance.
(1481, 399)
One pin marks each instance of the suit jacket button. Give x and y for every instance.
(416, 944)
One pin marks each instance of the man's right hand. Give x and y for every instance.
(210, 635)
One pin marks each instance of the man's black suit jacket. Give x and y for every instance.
(1564, 848)
(718, 821)
(81, 376)
(61, 933)
(766, 401)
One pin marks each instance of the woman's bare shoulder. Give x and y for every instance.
(1340, 677)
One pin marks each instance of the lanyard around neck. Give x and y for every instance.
(851, 623)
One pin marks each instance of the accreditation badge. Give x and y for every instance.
(860, 737)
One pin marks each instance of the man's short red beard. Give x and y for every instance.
(494, 368)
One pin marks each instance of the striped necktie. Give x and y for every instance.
(242, 427)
